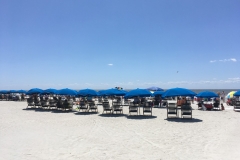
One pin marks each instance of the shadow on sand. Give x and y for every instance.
(29, 109)
(85, 113)
(112, 115)
(183, 120)
(61, 111)
(140, 117)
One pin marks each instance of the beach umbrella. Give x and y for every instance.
(237, 93)
(206, 94)
(155, 89)
(13, 91)
(4, 91)
(21, 91)
(50, 91)
(67, 91)
(173, 92)
(138, 93)
(87, 92)
(34, 91)
(112, 92)
(230, 94)
(158, 93)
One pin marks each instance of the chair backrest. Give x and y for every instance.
(91, 104)
(237, 103)
(82, 103)
(133, 106)
(186, 107)
(106, 105)
(70, 104)
(99, 99)
(215, 105)
(147, 104)
(30, 100)
(172, 105)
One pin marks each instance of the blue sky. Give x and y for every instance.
(129, 43)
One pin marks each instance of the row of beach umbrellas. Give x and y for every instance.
(133, 93)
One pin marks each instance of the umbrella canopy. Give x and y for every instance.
(50, 91)
(4, 91)
(230, 94)
(138, 93)
(155, 89)
(13, 91)
(237, 93)
(21, 91)
(173, 92)
(88, 92)
(158, 93)
(112, 92)
(206, 94)
(34, 91)
(67, 91)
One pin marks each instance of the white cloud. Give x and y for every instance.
(233, 59)
(110, 64)
(224, 60)
(212, 61)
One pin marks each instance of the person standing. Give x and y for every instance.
(223, 96)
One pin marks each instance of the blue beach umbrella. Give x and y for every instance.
(50, 91)
(173, 92)
(21, 91)
(206, 94)
(237, 93)
(67, 91)
(34, 91)
(112, 92)
(158, 93)
(155, 89)
(13, 91)
(138, 93)
(4, 91)
(88, 92)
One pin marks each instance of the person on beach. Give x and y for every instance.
(136, 100)
(222, 107)
(223, 96)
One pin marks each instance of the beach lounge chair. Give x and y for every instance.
(172, 109)
(236, 105)
(186, 110)
(133, 108)
(156, 103)
(60, 104)
(93, 106)
(83, 106)
(147, 107)
(52, 104)
(126, 102)
(67, 105)
(37, 103)
(117, 107)
(100, 100)
(107, 107)
(216, 106)
(30, 102)
(45, 104)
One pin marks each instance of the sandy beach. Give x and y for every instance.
(34, 134)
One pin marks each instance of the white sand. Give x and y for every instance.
(40, 135)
